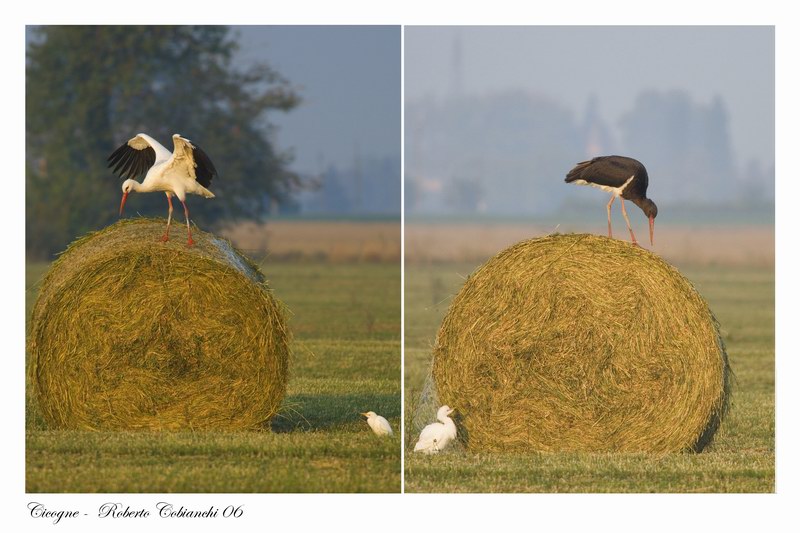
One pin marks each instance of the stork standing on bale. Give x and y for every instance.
(187, 169)
(623, 177)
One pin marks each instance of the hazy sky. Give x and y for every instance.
(349, 78)
(614, 63)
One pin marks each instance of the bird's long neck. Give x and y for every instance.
(641, 201)
(141, 187)
(449, 425)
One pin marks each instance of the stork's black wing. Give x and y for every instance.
(204, 171)
(132, 159)
(611, 171)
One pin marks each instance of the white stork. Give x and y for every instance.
(187, 169)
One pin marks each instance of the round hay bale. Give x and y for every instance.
(581, 343)
(132, 333)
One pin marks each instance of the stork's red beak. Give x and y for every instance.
(652, 223)
(125, 197)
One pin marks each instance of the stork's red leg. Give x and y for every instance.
(608, 208)
(628, 222)
(190, 242)
(165, 237)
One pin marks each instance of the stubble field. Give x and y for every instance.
(739, 285)
(346, 359)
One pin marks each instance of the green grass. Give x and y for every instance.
(741, 458)
(346, 323)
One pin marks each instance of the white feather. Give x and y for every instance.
(437, 436)
(172, 171)
(617, 191)
(380, 426)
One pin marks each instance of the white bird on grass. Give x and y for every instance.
(380, 426)
(435, 437)
(187, 169)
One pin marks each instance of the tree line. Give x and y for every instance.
(91, 88)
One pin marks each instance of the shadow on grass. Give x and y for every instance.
(300, 412)
(305, 412)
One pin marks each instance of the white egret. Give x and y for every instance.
(380, 426)
(187, 169)
(435, 437)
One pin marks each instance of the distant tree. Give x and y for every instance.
(376, 180)
(334, 195)
(382, 185)
(757, 184)
(683, 142)
(91, 88)
(464, 195)
(411, 193)
(717, 139)
(505, 152)
(595, 133)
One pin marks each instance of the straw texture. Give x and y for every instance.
(581, 343)
(132, 333)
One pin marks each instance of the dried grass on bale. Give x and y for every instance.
(581, 343)
(132, 333)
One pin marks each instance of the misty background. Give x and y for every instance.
(496, 116)
(300, 121)
(345, 136)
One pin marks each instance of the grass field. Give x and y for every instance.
(741, 459)
(346, 323)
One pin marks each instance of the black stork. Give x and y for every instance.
(623, 177)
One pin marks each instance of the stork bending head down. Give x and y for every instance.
(185, 170)
(625, 178)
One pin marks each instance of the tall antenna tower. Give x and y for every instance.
(358, 179)
(457, 67)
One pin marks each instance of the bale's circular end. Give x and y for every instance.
(132, 333)
(581, 343)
